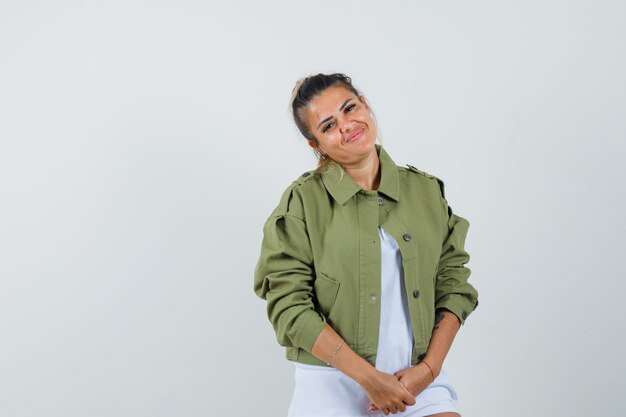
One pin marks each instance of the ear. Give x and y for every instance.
(364, 101)
(313, 145)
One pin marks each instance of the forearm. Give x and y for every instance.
(345, 360)
(446, 326)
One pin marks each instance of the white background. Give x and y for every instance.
(143, 144)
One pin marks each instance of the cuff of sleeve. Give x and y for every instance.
(310, 327)
(460, 305)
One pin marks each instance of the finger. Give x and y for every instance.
(406, 388)
(408, 395)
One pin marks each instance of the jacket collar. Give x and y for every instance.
(342, 189)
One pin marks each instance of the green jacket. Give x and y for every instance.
(320, 258)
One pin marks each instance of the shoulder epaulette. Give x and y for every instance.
(305, 177)
(427, 175)
(419, 171)
(287, 194)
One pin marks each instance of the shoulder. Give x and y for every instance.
(424, 175)
(291, 202)
(305, 177)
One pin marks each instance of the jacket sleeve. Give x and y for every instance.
(284, 276)
(452, 289)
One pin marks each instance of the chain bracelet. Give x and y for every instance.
(333, 355)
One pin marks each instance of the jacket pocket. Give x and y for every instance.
(326, 289)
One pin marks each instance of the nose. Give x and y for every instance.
(345, 124)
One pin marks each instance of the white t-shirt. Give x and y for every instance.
(322, 391)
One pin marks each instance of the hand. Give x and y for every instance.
(387, 393)
(415, 379)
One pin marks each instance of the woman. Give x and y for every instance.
(362, 266)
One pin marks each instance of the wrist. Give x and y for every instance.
(367, 375)
(433, 365)
(364, 374)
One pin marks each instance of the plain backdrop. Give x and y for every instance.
(144, 143)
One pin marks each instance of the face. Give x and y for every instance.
(342, 124)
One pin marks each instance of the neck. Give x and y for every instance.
(366, 173)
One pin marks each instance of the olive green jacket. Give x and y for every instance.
(320, 258)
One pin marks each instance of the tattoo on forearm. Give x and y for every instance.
(438, 318)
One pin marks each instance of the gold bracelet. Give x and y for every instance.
(333, 355)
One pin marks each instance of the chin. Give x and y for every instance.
(371, 142)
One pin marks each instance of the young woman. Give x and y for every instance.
(363, 268)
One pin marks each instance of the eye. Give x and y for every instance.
(327, 127)
(350, 107)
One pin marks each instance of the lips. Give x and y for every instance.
(355, 136)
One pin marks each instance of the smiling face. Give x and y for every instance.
(342, 124)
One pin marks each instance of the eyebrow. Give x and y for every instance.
(330, 117)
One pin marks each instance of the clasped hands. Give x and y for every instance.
(392, 393)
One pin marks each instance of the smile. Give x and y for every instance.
(355, 136)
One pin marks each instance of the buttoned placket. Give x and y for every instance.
(374, 211)
(404, 237)
(369, 274)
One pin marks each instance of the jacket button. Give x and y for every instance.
(406, 237)
(372, 298)
(306, 174)
(416, 294)
(464, 315)
(380, 200)
(421, 356)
